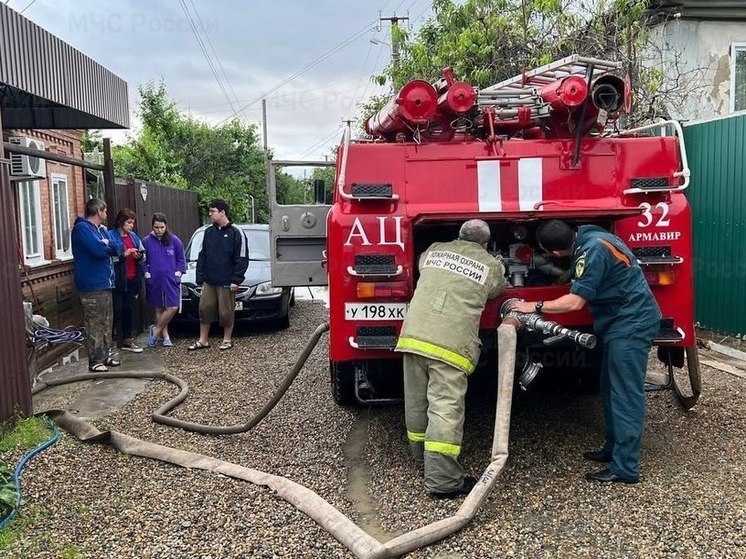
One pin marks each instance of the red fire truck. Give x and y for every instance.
(544, 144)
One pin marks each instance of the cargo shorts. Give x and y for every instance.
(217, 303)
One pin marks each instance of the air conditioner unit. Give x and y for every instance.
(27, 166)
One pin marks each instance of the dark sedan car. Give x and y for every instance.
(256, 299)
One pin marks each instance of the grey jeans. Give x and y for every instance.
(98, 316)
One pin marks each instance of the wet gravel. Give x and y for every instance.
(89, 501)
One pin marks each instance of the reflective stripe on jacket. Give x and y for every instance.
(456, 280)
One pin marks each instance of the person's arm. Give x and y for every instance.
(240, 256)
(566, 303)
(88, 239)
(500, 282)
(590, 269)
(146, 263)
(179, 254)
(141, 255)
(117, 243)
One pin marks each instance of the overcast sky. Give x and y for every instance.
(259, 43)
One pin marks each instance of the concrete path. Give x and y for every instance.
(97, 398)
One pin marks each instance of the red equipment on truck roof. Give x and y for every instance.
(544, 144)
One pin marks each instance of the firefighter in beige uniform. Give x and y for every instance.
(440, 341)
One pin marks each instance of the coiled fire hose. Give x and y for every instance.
(361, 544)
(22, 464)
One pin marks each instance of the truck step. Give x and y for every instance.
(374, 337)
(374, 191)
(669, 334)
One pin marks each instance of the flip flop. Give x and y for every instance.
(197, 345)
(227, 344)
(113, 362)
(99, 368)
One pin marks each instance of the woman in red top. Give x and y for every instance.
(127, 278)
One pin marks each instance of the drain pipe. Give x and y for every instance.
(361, 544)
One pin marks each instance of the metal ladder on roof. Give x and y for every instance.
(573, 64)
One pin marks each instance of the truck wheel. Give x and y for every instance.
(342, 383)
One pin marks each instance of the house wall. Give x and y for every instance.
(696, 57)
(47, 280)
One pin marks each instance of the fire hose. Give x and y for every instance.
(534, 322)
(361, 544)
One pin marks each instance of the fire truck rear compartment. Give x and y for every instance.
(514, 241)
(526, 266)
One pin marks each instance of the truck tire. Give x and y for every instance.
(342, 383)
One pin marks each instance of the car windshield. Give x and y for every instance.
(258, 244)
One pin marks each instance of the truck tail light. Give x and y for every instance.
(370, 290)
(660, 277)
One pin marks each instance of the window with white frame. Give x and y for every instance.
(738, 77)
(31, 232)
(61, 216)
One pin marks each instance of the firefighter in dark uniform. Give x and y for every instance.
(440, 342)
(626, 316)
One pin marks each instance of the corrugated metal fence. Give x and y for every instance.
(144, 198)
(718, 198)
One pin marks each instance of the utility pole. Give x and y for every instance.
(394, 37)
(264, 123)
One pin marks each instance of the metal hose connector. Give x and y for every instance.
(537, 323)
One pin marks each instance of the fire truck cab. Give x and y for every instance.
(544, 144)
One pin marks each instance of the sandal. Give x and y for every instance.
(197, 345)
(99, 368)
(227, 344)
(111, 362)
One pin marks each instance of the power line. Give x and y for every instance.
(27, 6)
(307, 67)
(323, 140)
(203, 48)
(279, 96)
(362, 73)
(217, 58)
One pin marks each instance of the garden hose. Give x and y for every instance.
(22, 464)
(52, 336)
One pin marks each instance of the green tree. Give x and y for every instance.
(487, 41)
(174, 149)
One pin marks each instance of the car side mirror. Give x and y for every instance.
(319, 191)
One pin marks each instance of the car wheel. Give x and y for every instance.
(284, 322)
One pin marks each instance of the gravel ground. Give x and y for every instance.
(89, 501)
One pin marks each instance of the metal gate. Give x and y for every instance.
(717, 160)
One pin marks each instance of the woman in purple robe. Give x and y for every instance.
(164, 265)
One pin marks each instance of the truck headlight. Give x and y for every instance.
(265, 289)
